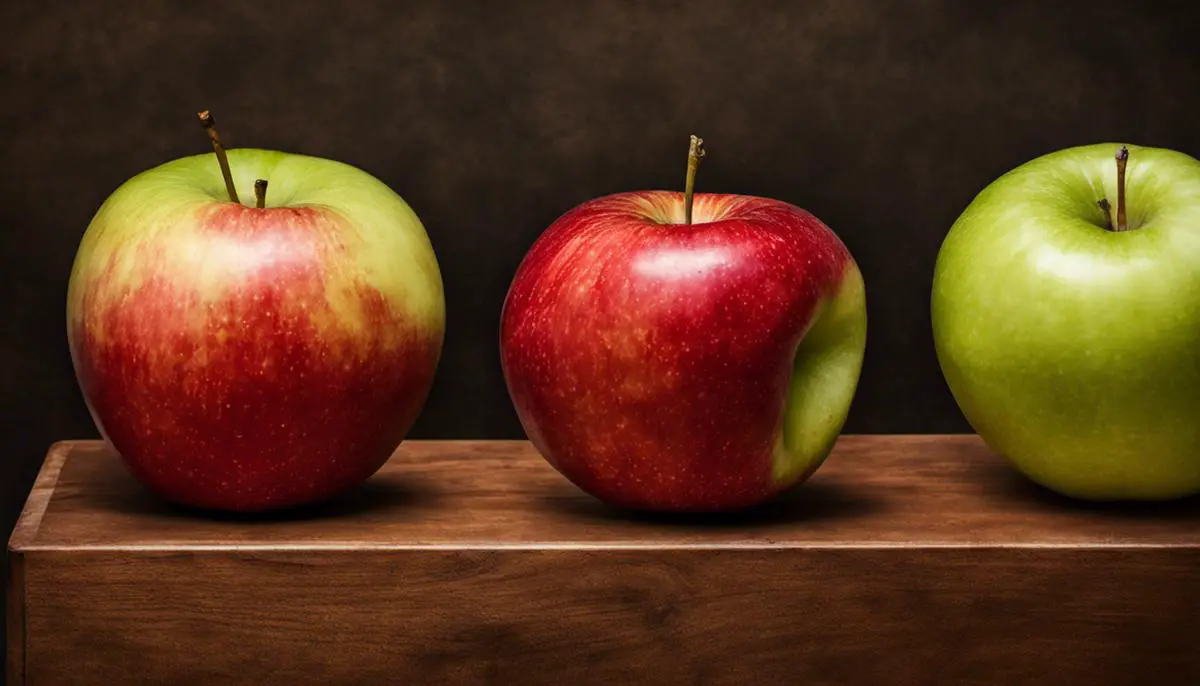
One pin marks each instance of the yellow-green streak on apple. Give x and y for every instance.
(206, 256)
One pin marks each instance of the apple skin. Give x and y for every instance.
(1072, 350)
(661, 366)
(249, 359)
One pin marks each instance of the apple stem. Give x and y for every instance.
(1103, 204)
(260, 193)
(1122, 160)
(695, 153)
(210, 126)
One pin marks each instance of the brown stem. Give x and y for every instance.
(695, 154)
(1103, 204)
(210, 126)
(260, 193)
(1122, 160)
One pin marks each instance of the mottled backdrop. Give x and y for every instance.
(883, 117)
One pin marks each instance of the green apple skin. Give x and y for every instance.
(1073, 350)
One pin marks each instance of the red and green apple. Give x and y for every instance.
(681, 351)
(243, 357)
(1066, 317)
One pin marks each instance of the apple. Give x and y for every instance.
(250, 358)
(1066, 319)
(667, 362)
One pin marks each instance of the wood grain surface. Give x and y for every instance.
(873, 490)
(905, 560)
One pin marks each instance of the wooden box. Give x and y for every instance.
(905, 560)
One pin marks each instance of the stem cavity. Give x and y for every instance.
(210, 126)
(695, 154)
(1103, 205)
(260, 193)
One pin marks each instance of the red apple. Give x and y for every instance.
(246, 359)
(665, 366)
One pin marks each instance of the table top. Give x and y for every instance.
(893, 490)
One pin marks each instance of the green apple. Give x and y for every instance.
(1070, 338)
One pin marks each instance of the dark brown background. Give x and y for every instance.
(883, 117)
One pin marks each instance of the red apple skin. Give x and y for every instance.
(649, 361)
(262, 398)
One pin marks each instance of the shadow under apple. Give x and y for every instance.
(1000, 480)
(375, 496)
(809, 502)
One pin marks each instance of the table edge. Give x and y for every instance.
(30, 519)
(266, 549)
(16, 647)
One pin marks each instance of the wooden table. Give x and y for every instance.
(905, 560)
